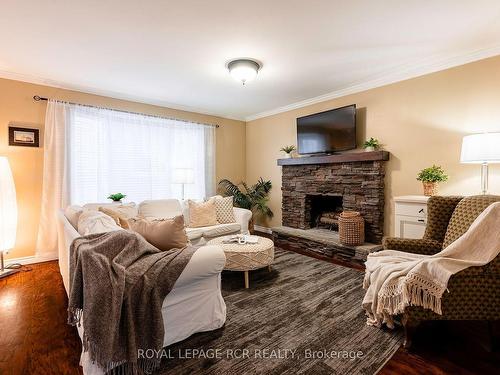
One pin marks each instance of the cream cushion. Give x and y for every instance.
(160, 209)
(73, 213)
(202, 214)
(221, 230)
(92, 221)
(213, 231)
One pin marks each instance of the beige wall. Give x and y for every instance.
(420, 121)
(17, 106)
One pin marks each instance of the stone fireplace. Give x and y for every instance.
(316, 189)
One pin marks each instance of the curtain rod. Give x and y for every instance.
(38, 98)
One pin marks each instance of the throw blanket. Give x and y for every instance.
(396, 279)
(119, 281)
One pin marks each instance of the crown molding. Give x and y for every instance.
(109, 94)
(404, 72)
(401, 73)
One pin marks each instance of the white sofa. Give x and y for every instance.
(195, 303)
(168, 208)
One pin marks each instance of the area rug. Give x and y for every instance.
(303, 317)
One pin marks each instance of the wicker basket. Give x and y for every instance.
(351, 228)
(430, 188)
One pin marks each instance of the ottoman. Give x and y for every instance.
(246, 257)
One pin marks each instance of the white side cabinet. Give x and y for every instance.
(410, 216)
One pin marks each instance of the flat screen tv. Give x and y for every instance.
(327, 132)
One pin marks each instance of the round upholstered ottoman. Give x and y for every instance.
(246, 257)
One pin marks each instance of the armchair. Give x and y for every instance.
(474, 292)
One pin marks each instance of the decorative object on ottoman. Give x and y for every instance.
(116, 197)
(246, 256)
(288, 150)
(372, 144)
(351, 228)
(430, 178)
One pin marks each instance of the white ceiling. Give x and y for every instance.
(173, 53)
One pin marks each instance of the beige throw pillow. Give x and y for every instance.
(165, 234)
(224, 210)
(202, 214)
(120, 214)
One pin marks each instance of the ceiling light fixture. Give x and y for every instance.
(244, 70)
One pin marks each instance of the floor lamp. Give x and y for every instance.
(183, 176)
(481, 149)
(8, 214)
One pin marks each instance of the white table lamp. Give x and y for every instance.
(481, 149)
(183, 176)
(8, 213)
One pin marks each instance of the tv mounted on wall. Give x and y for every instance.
(327, 132)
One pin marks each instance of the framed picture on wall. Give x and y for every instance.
(28, 137)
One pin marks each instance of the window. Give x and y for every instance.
(112, 151)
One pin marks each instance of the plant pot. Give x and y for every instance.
(251, 226)
(369, 149)
(430, 188)
(288, 156)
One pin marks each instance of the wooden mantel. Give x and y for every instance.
(337, 158)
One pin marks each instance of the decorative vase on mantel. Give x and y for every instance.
(430, 188)
(369, 149)
(289, 156)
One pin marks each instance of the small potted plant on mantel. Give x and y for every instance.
(117, 197)
(372, 144)
(288, 150)
(430, 178)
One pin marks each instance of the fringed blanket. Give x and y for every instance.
(396, 279)
(118, 282)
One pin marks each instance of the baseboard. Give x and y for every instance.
(259, 228)
(31, 259)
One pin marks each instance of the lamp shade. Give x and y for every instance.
(183, 176)
(481, 148)
(8, 206)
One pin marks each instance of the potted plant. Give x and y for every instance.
(253, 198)
(371, 145)
(430, 178)
(117, 197)
(288, 150)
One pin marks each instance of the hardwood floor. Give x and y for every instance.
(35, 339)
(34, 336)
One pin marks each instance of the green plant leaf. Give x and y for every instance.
(254, 198)
(432, 174)
(116, 197)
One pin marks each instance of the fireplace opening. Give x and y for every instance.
(324, 210)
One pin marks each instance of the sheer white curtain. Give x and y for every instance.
(109, 151)
(55, 188)
(136, 155)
